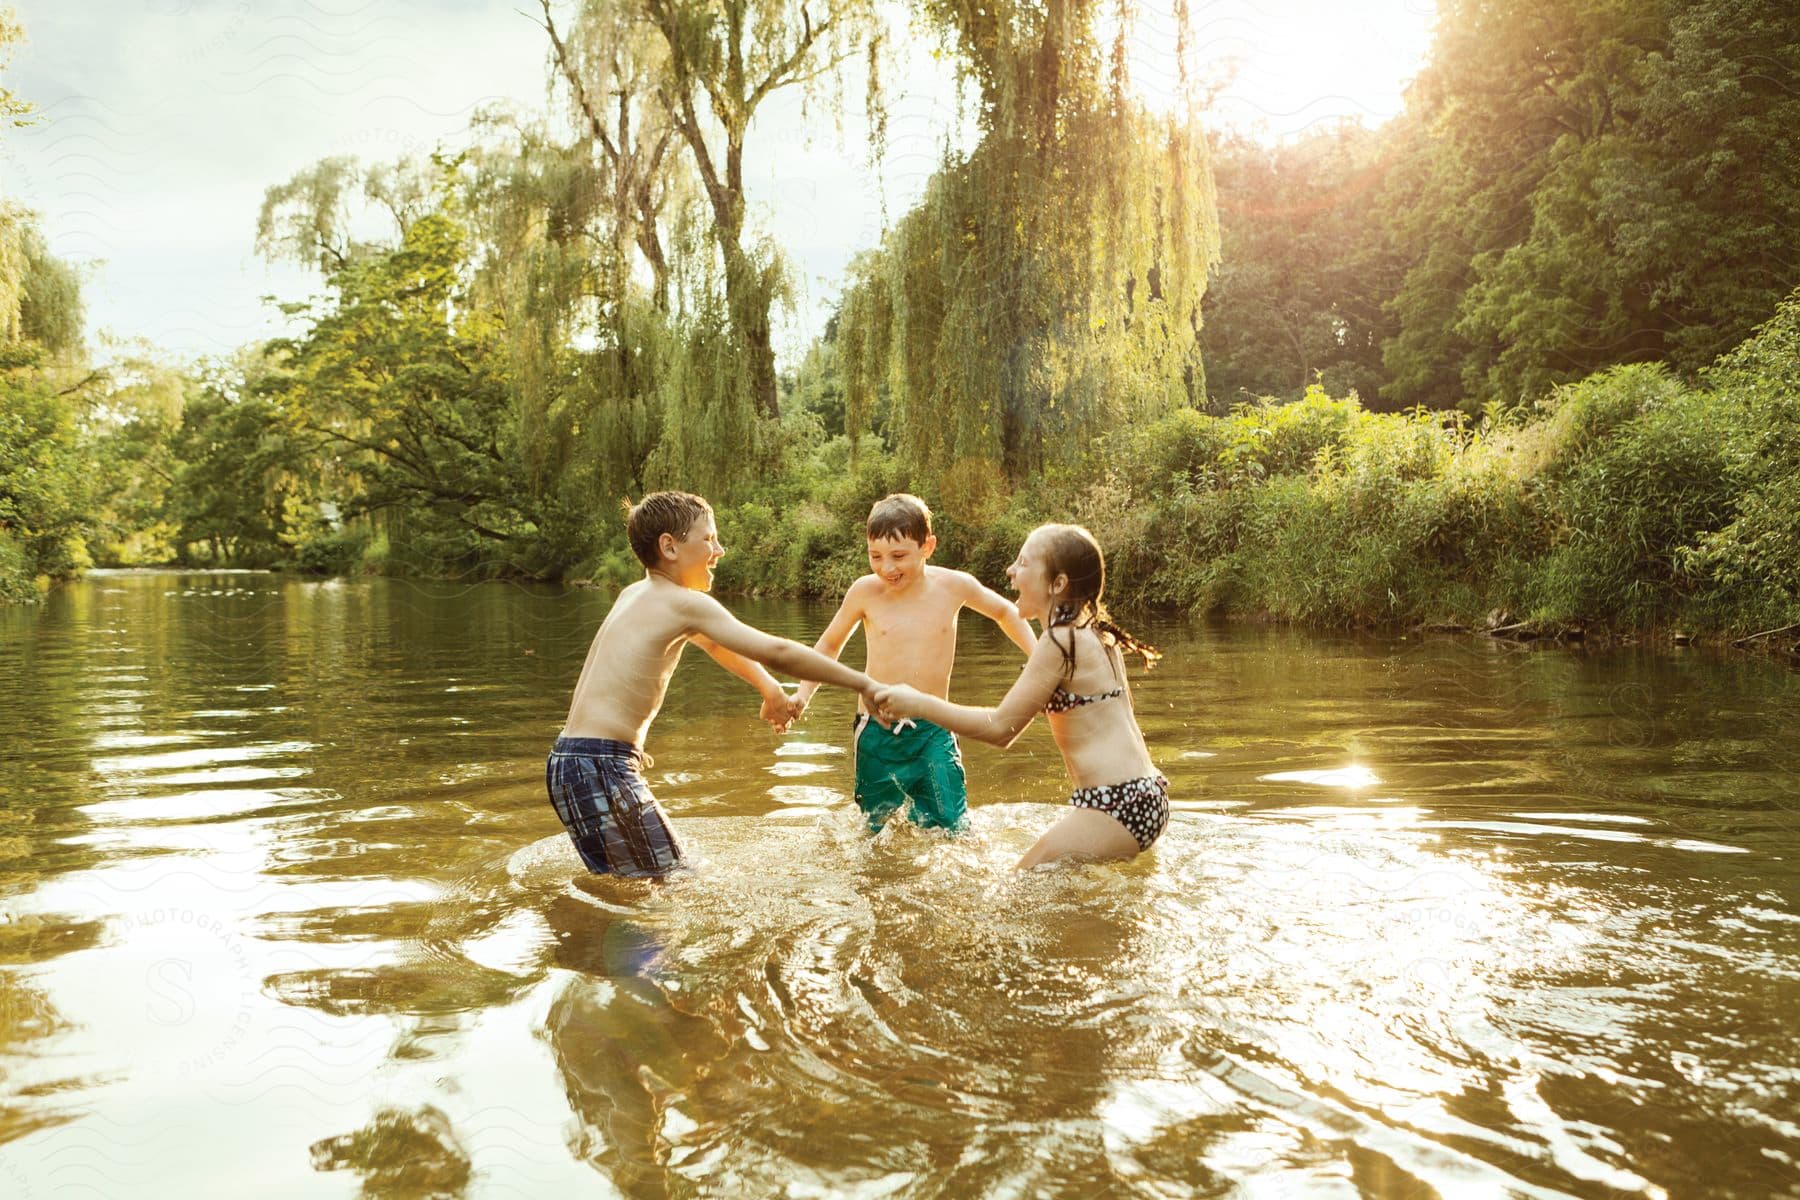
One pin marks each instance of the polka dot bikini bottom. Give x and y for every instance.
(1141, 805)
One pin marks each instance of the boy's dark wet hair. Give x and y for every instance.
(659, 513)
(900, 515)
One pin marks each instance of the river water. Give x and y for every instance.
(282, 904)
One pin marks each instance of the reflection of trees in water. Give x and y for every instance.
(54, 674)
(28, 1018)
(853, 1023)
(400, 1153)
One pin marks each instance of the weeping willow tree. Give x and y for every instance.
(662, 293)
(1048, 286)
(707, 67)
(584, 332)
(715, 439)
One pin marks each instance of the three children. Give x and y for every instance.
(908, 610)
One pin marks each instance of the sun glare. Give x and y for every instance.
(1353, 777)
(1281, 66)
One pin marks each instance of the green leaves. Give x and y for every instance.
(1047, 288)
(1306, 264)
(1593, 183)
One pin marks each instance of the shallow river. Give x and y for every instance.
(283, 909)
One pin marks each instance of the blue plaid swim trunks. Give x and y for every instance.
(616, 824)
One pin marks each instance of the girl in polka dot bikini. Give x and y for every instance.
(1076, 676)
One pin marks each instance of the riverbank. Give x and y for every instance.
(1631, 505)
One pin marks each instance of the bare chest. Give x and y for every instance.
(898, 624)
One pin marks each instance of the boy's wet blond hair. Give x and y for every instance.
(900, 515)
(659, 513)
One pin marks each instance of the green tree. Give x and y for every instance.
(612, 65)
(135, 419)
(46, 484)
(14, 110)
(1048, 285)
(308, 218)
(584, 335)
(1306, 265)
(400, 387)
(236, 466)
(1592, 183)
(710, 65)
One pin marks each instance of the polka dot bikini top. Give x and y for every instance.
(1062, 701)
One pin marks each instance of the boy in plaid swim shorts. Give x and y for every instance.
(594, 774)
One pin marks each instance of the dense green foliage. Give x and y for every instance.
(1048, 286)
(1307, 265)
(46, 473)
(1092, 313)
(1572, 186)
(1629, 499)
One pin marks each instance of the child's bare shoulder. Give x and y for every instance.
(675, 610)
(954, 583)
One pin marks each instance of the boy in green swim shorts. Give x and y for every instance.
(907, 609)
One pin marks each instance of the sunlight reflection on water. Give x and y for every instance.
(1520, 945)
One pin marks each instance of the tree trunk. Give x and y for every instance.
(746, 295)
(651, 248)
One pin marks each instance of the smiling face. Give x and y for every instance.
(1030, 578)
(899, 562)
(690, 561)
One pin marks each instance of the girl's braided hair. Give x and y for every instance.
(1071, 551)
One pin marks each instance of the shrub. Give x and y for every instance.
(1633, 503)
(18, 584)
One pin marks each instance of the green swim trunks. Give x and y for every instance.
(916, 764)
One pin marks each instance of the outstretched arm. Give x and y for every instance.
(1000, 725)
(746, 669)
(1002, 612)
(776, 708)
(831, 643)
(707, 618)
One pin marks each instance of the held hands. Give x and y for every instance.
(878, 712)
(781, 710)
(897, 700)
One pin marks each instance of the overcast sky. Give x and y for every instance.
(164, 121)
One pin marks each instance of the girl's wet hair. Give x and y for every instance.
(1072, 552)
